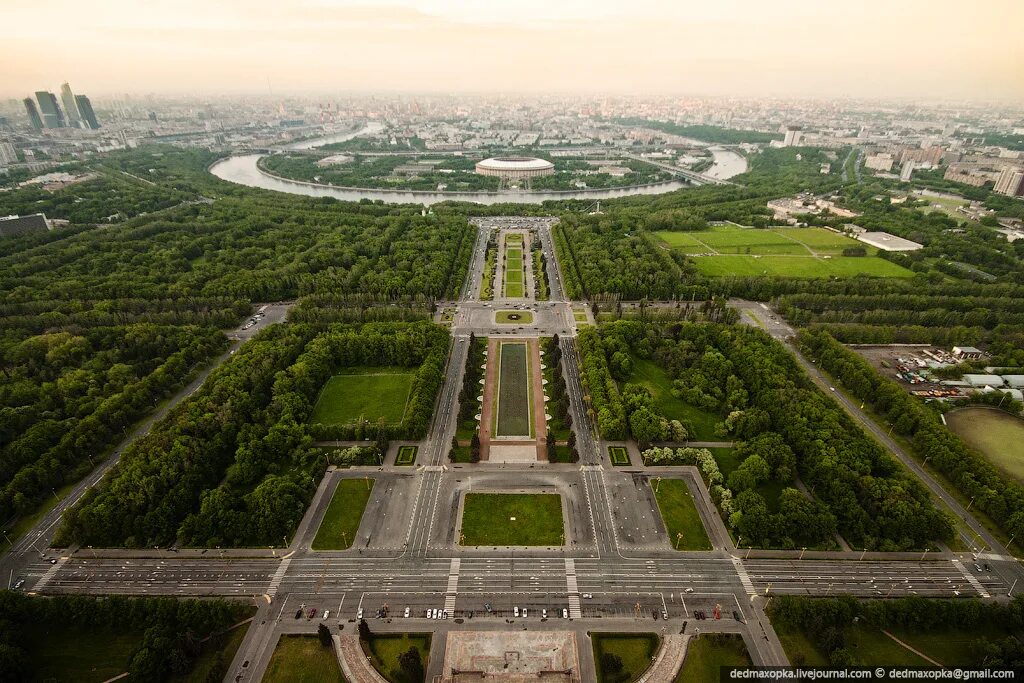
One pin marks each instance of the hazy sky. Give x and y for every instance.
(910, 48)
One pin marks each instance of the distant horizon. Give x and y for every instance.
(790, 49)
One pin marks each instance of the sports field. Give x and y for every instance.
(789, 252)
(512, 414)
(512, 519)
(997, 435)
(368, 393)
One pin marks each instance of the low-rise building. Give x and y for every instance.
(978, 381)
(887, 242)
(15, 226)
(967, 353)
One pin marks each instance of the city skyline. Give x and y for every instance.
(788, 48)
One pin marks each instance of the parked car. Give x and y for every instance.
(406, 612)
(565, 613)
(515, 611)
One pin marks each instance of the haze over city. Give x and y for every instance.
(932, 49)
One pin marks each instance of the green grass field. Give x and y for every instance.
(386, 648)
(579, 316)
(798, 266)
(514, 290)
(341, 521)
(513, 273)
(514, 253)
(512, 519)
(513, 413)
(619, 456)
(637, 651)
(368, 393)
(706, 654)
(406, 456)
(302, 659)
(649, 374)
(679, 512)
(788, 252)
(997, 435)
(521, 317)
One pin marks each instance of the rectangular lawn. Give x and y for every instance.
(798, 266)
(406, 455)
(512, 519)
(679, 512)
(368, 393)
(513, 409)
(341, 521)
(302, 659)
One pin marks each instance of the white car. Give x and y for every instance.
(430, 614)
(565, 613)
(543, 614)
(587, 596)
(524, 613)
(515, 611)
(406, 612)
(327, 613)
(689, 590)
(359, 613)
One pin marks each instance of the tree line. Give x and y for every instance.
(174, 633)
(998, 496)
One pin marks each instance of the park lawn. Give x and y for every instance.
(997, 435)
(369, 393)
(579, 316)
(513, 413)
(682, 241)
(637, 651)
(406, 456)
(384, 650)
(513, 252)
(823, 241)
(79, 654)
(798, 266)
(523, 317)
(679, 513)
(869, 646)
(619, 456)
(514, 290)
(706, 654)
(487, 519)
(341, 521)
(302, 659)
(649, 374)
(950, 648)
(513, 275)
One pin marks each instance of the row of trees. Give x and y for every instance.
(1000, 497)
(174, 632)
(233, 465)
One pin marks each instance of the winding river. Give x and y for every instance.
(244, 170)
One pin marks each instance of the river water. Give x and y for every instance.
(727, 164)
(243, 170)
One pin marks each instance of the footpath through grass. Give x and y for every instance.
(635, 650)
(341, 521)
(679, 512)
(512, 519)
(302, 659)
(706, 654)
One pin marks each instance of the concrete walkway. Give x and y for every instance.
(669, 660)
(354, 664)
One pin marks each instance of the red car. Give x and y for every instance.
(312, 612)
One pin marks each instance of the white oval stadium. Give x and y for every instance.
(515, 168)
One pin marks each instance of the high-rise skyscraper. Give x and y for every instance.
(86, 112)
(8, 155)
(48, 107)
(67, 98)
(33, 113)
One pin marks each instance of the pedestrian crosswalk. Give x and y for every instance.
(572, 588)
(453, 585)
(275, 581)
(971, 579)
(748, 585)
